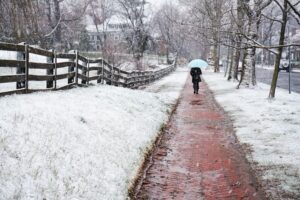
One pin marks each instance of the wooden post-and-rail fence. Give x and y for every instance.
(79, 70)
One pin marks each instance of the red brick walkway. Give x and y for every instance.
(198, 157)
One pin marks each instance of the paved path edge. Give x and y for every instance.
(147, 162)
(135, 186)
(243, 149)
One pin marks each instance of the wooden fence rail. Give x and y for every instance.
(79, 70)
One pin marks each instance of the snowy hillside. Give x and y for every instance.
(84, 143)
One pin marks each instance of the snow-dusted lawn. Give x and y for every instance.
(84, 143)
(270, 129)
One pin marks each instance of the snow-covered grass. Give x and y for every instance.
(271, 67)
(269, 129)
(84, 143)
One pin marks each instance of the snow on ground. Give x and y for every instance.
(84, 143)
(148, 63)
(271, 67)
(270, 129)
(169, 87)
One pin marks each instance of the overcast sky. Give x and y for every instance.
(157, 3)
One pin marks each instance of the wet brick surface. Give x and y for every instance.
(198, 157)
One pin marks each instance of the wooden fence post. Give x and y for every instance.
(76, 65)
(125, 81)
(118, 77)
(112, 76)
(109, 76)
(84, 69)
(21, 70)
(50, 72)
(88, 72)
(26, 67)
(98, 74)
(55, 70)
(102, 81)
(70, 70)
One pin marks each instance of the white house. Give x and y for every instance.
(114, 29)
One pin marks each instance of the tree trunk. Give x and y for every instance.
(138, 63)
(270, 61)
(57, 34)
(243, 67)
(216, 57)
(236, 60)
(214, 63)
(254, 68)
(211, 57)
(280, 49)
(168, 55)
(231, 65)
(227, 61)
(249, 76)
(237, 53)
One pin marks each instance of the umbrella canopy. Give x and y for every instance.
(198, 63)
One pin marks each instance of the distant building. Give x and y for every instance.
(113, 29)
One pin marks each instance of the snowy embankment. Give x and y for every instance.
(270, 130)
(84, 143)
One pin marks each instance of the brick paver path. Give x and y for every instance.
(198, 157)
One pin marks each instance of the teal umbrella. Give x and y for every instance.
(198, 63)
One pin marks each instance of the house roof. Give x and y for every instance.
(113, 24)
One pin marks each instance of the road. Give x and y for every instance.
(265, 76)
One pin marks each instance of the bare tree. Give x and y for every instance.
(44, 22)
(208, 17)
(61, 14)
(286, 7)
(172, 29)
(252, 10)
(133, 11)
(18, 20)
(101, 11)
(164, 20)
(239, 27)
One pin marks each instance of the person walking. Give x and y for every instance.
(196, 78)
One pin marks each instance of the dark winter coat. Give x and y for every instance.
(195, 73)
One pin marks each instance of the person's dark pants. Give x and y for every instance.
(196, 87)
